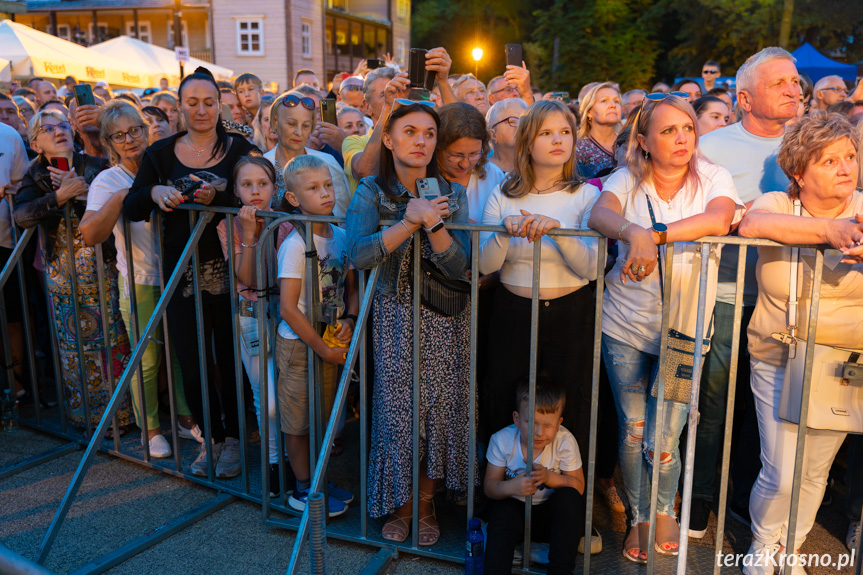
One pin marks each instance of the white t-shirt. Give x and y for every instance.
(566, 261)
(13, 166)
(332, 266)
(632, 311)
(145, 248)
(340, 181)
(751, 160)
(504, 450)
(478, 190)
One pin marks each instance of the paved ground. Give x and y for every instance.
(119, 501)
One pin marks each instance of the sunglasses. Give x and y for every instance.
(710, 71)
(659, 96)
(292, 102)
(351, 87)
(51, 128)
(406, 102)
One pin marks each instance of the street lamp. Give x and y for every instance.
(477, 56)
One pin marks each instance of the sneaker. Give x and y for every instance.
(194, 433)
(740, 513)
(698, 518)
(159, 447)
(297, 501)
(200, 465)
(229, 461)
(852, 540)
(595, 543)
(761, 559)
(342, 495)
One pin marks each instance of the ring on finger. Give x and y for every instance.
(633, 268)
(165, 199)
(641, 269)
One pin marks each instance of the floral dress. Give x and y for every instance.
(592, 158)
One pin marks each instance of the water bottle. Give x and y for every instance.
(9, 409)
(474, 556)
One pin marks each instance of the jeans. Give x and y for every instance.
(770, 501)
(560, 520)
(712, 412)
(252, 363)
(631, 373)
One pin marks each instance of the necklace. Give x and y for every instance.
(554, 185)
(199, 152)
(668, 201)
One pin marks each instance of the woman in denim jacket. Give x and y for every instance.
(408, 153)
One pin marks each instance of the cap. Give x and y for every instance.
(101, 84)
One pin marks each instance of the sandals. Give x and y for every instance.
(396, 528)
(428, 525)
(632, 544)
(667, 535)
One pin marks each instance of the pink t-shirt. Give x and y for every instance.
(284, 230)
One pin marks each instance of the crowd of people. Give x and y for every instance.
(774, 157)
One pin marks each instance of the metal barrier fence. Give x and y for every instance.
(322, 436)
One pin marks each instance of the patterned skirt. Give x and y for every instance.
(97, 359)
(444, 399)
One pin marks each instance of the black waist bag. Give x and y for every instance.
(440, 294)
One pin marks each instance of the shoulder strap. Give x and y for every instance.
(658, 249)
(792, 288)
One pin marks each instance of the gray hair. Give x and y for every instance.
(636, 92)
(36, 122)
(746, 72)
(496, 113)
(377, 74)
(110, 114)
(823, 82)
(348, 110)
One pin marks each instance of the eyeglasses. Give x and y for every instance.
(51, 128)
(119, 137)
(292, 102)
(838, 89)
(351, 87)
(507, 88)
(659, 96)
(406, 102)
(459, 157)
(710, 71)
(511, 120)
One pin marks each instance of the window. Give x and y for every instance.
(144, 31)
(184, 33)
(250, 37)
(102, 36)
(306, 29)
(404, 8)
(63, 31)
(401, 52)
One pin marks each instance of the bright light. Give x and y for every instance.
(477, 54)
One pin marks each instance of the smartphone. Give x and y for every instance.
(60, 164)
(562, 96)
(428, 188)
(417, 67)
(375, 63)
(84, 95)
(328, 111)
(190, 191)
(513, 55)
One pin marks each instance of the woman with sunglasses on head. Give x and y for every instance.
(408, 154)
(544, 191)
(125, 132)
(688, 198)
(600, 112)
(42, 199)
(293, 117)
(195, 166)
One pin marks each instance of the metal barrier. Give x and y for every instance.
(322, 436)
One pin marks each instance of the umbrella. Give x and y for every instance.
(158, 62)
(33, 53)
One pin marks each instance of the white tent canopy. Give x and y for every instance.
(34, 53)
(5, 70)
(157, 62)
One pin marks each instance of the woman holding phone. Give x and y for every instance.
(57, 177)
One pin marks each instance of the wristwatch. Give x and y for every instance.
(437, 227)
(662, 230)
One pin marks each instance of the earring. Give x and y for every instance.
(646, 154)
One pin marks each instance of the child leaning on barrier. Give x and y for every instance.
(309, 188)
(555, 481)
(254, 184)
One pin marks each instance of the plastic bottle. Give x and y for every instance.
(474, 555)
(9, 409)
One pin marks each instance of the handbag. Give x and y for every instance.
(836, 392)
(440, 294)
(680, 351)
(249, 328)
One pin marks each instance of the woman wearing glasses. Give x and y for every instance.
(502, 120)
(600, 112)
(688, 198)
(43, 197)
(544, 191)
(195, 166)
(125, 132)
(293, 117)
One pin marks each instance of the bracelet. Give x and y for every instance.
(350, 316)
(410, 233)
(436, 227)
(622, 228)
(254, 245)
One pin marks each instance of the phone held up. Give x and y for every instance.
(375, 63)
(421, 80)
(513, 55)
(328, 111)
(84, 95)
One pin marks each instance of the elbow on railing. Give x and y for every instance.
(746, 228)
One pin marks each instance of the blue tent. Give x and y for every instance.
(816, 65)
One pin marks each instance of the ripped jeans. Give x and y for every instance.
(631, 373)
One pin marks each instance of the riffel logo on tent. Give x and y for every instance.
(131, 78)
(55, 68)
(95, 72)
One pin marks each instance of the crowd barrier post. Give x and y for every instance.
(8, 268)
(106, 334)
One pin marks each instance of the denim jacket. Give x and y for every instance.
(370, 205)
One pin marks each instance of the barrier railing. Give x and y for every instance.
(356, 362)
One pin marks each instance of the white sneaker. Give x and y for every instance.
(194, 433)
(229, 460)
(199, 467)
(852, 540)
(159, 447)
(761, 559)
